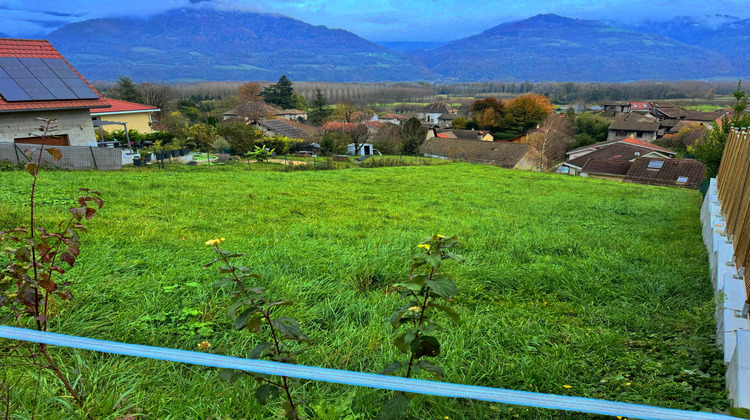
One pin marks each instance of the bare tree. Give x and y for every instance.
(551, 139)
(160, 96)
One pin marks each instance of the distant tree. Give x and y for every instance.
(318, 109)
(241, 137)
(333, 143)
(280, 94)
(126, 90)
(570, 113)
(388, 140)
(525, 112)
(710, 149)
(413, 135)
(481, 104)
(174, 122)
(551, 140)
(686, 137)
(299, 101)
(202, 136)
(489, 114)
(590, 128)
(250, 92)
(459, 123)
(343, 112)
(161, 96)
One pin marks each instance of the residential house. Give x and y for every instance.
(433, 111)
(292, 114)
(252, 111)
(635, 125)
(504, 154)
(461, 134)
(640, 106)
(576, 153)
(618, 151)
(617, 107)
(667, 110)
(37, 82)
(446, 120)
(279, 127)
(609, 169)
(684, 173)
(667, 126)
(392, 118)
(706, 118)
(123, 115)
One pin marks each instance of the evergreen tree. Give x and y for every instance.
(280, 94)
(318, 109)
(126, 90)
(414, 135)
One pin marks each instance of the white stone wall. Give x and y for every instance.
(76, 123)
(732, 325)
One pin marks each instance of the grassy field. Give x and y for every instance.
(571, 286)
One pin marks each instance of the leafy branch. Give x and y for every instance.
(252, 311)
(429, 293)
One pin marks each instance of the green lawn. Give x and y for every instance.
(597, 285)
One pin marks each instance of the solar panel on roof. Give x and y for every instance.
(61, 68)
(12, 92)
(41, 79)
(37, 67)
(80, 88)
(14, 68)
(58, 88)
(35, 89)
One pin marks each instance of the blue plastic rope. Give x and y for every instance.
(530, 399)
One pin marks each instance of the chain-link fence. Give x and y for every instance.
(73, 157)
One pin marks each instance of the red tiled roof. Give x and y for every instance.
(123, 106)
(639, 105)
(636, 142)
(392, 116)
(339, 126)
(36, 48)
(446, 135)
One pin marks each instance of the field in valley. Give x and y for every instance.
(571, 286)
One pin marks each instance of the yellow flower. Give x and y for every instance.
(567, 386)
(424, 246)
(440, 236)
(214, 242)
(203, 345)
(627, 384)
(415, 309)
(446, 418)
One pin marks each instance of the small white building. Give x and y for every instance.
(365, 149)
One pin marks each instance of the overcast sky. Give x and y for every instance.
(387, 20)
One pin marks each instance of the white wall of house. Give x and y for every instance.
(75, 123)
(433, 118)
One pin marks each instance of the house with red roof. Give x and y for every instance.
(37, 82)
(124, 115)
(604, 160)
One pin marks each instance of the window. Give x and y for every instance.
(682, 180)
(655, 164)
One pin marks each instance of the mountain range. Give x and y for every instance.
(208, 44)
